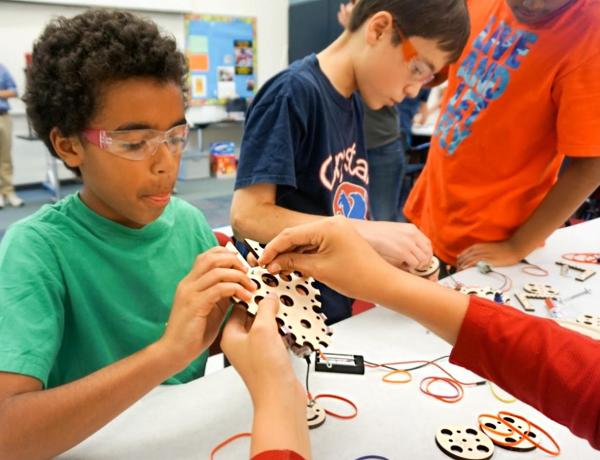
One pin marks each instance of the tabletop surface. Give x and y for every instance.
(394, 421)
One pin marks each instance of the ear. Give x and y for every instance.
(69, 149)
(378, 25)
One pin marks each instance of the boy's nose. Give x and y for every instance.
(164, 160)
(412, 90)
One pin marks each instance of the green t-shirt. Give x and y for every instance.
(79, 292)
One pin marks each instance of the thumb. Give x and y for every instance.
(292, 261)
(268, 308)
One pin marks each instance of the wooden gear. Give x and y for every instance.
(508, 437)
(299, 316)
(464, 443)
(536, 291)
(592, 321)
(315, 414)
(583, 273)
(484, 292)
(581, 327)
(433, 267)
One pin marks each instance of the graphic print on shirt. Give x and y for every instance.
(349, 199)
(483, 76)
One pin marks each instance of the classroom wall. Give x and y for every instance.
(21, 22)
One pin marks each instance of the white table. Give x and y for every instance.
(395, 421)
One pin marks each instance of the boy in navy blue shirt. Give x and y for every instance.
(303, 154)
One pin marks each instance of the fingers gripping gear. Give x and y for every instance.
(299, 316)
(426, 272)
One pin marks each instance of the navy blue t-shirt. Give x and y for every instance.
(305, 137)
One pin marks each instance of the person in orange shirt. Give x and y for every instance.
(524, 95)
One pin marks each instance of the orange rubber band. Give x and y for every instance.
(487, 429)
(535, 270)
(450, 399)
(339, 398)
(524, 436)
(428, 381)
(228, 441)
(583, 257)
(387, 377)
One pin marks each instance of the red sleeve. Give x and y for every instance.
(551, 368)
(278, 455)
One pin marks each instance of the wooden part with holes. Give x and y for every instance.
(524, 301)
(520, 445)
(540, 291)
(315, 414)
(464, 442)
(434, 266)
(583, 328)
(584, 273)
(299, 317)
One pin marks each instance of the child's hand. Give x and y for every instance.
(257, 351)
(498, 254)
(201, 302)
(331, 251)
(402, 245)
(345, 13)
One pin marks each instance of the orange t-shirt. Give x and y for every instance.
(519, 99)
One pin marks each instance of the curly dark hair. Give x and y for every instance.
(75, 57)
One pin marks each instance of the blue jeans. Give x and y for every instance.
(386, 174)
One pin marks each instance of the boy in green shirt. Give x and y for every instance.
(120, 287)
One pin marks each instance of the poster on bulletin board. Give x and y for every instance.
(221, 53)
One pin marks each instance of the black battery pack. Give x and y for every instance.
(339, 363)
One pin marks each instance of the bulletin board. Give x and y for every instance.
(221, 53)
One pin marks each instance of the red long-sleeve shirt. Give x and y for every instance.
(551, 368)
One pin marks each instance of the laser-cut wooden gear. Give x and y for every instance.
(524, 446)
(315, 414)
(299, 316)
(583, 273)
(536, 291)
(592, 321)
(433, 267)
(484, 292)
(581, 327)
(464, 442)
(540, 291)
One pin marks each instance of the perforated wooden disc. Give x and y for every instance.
(540, 291)
(433, 267)
(464, 442)
(589, 320)
(590, 331)
(299, 316)
(315, 415)
(494, 424)
(483, 291)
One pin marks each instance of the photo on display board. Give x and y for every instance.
(244, 57)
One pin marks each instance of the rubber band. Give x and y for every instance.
(372, 457)
(228, 441)
(339, 398)
(514, 429)
(387, 377)
(426, 383)
(538, 428)
(583, 257)
(510, 431)
(507, 281)
(450, 399)
(498, 397)
(534, 270)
